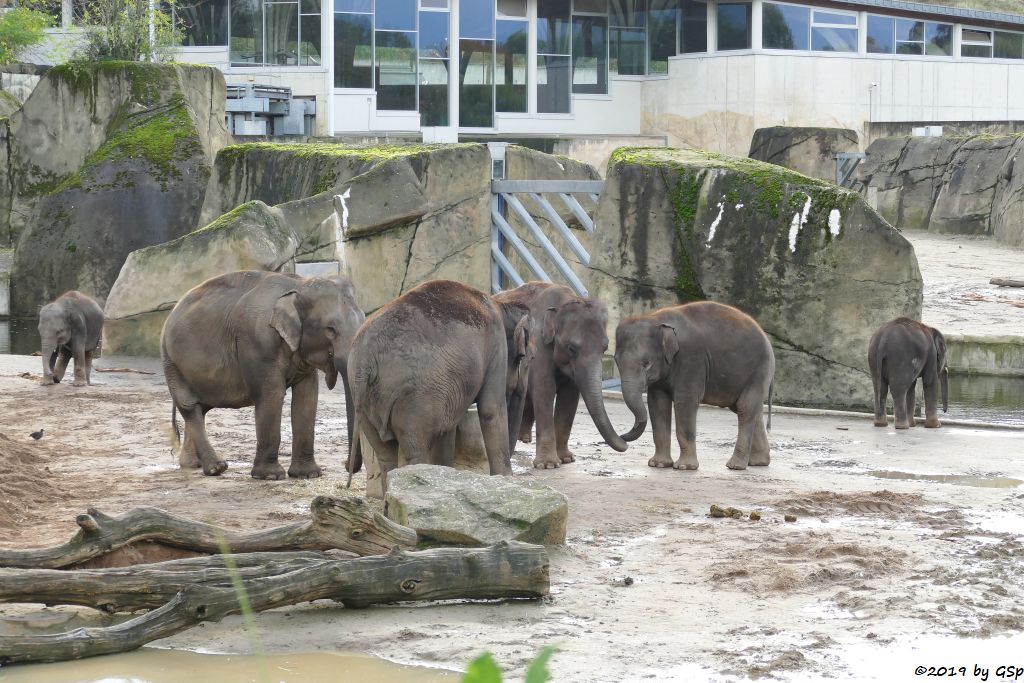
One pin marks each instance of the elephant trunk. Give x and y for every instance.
(632, 394)
(944, 386)
(48, 350)
(590, 390)
(515, 405)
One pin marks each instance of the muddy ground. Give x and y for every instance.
(885, 568)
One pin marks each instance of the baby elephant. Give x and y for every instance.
(70, 327)
(901, 352)
(702, 352)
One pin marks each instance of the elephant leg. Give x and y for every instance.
(659, 404)
(760, 453)
(443, 452)
(748, 415)
(543, 391)
(304, 402)
(526, 425)
(79, 354)
(195, 433)
(686, 431)
(899, 406)
(188, 456)
(61, 359)
(491, 408)
(567, 400)
(931, 404)
(911, 404)
(268, 435)
(881, 398)
(88, 367)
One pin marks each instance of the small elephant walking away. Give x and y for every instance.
(244, 339)
(70, 327)
(899, 353)
(701, 352)
(567, 365)
(421, 361)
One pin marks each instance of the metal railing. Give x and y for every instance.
(846, 164)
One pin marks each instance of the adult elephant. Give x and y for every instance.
(70, 327)
(244, 339)
(567, 365)
(419, 363)
(701, 352)
(901, 352)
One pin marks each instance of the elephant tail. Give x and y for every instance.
(771, 390)
(355, 457)
(174, 423)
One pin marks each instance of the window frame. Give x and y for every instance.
(995, 35)
(991, 44)
(928, 29)
(813, 24)
(573, 13)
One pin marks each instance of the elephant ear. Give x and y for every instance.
(549, 324)
(521, 337)
(669, 343)
(286, 320)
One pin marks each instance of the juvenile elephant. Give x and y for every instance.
(567, 364)
(702, 352)
(899, 353)
(244, 339)
(419, 363)
(70, 327)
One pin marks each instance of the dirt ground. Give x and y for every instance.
(907, 549)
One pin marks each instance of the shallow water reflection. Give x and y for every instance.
(19, 336)
(961, 479)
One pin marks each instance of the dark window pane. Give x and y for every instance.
(834, 39)
(434, 35)
(939, 38)
(476, 83)
(590, 6)
(203, 23)
(552, 85)
(395, 55)
(1009, 45)
(365, 6)
(785, 27)
(970, 35)
(553, 27)
(590, 55)
(910, 48)
(476, 19)
(309, 47)
(353, 51)
(510, 75)
(282, 33)
(309, 6)
(734, 27)
(976, 50)
(662, 21)
(627, 51)
(631, 13)
(396, 15)
(909, 30)
(880, 34)
(434, 92)
(693, 31)
(246, 33)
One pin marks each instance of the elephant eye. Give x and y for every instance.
(572, 349)
(331, 331)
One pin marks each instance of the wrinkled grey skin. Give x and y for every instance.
(567, 365)
(899, 353)
(244, 339)
(421, 361)
(702, 352)
(70, 327)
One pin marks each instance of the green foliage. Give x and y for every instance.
(483, 669)
(20, 28)
(120, 30)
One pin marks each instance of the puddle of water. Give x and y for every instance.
(1000, 523)
(19, 336)
(150, 665)
(985, 398)
(959, 479)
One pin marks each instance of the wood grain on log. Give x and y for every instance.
(337, 523)
(505, 570)
(1008, 281)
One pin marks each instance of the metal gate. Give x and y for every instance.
(846, 164)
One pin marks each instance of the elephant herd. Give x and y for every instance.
(413, 368)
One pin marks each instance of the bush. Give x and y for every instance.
(19, 28)
(120, 30)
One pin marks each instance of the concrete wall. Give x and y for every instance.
(985, 355)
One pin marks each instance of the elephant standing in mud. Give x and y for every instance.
(567, 365)
(899, 353)
(419, 363)
(244, 339)
(701, 352)
(70, 327)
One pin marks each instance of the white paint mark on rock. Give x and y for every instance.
(799, 219)
(739, 206)
(714, 223)
(339, 199)
(833, 222)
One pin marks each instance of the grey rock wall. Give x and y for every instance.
(811, 151)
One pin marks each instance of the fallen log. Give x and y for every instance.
(1008, 281)
(336, 523)
(504, 570)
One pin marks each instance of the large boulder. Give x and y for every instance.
(811, 151)
(810, 261)
(466, 508)
(106, 158)
(251, 237)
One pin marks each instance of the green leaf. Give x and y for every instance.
(482, 670)
(538, 671)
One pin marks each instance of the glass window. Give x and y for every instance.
(434, 42)
(836, 18)
(909, 37)
(590, 54)
(938, 39)
(975, 43)
(510, 75)
(358, 6)
(434, 4)
(553, 27)
(881, 34)
(831, 32)
(282, 32)
(433, 92)
(662, 30)
(246, 33)
(552, 84)
(512, 8)
(785, 27)
(476, 83)
(309, 6)
(590, 6)
(734, 26)
(309, 40)
(353, 50)
(395, 62)
(628, 13)
(202, 22)
(693, 28)
(628, 46)
(396, 15)
(1009, 45)
(476, 19)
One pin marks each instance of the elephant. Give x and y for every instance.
(419, 362)
(70, 327)
(567, 365)
(244, 339)
(700, 352)
(899, 353)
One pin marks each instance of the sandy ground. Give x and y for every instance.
(906, 551)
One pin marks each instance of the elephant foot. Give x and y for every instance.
(737, 463)
(567, 457)
(217, 467)
(660, 461)
(546, 464)
(902, 426)
(271, 470)
(526, 436)
(47, 381)
(932, 423)
(912, 422)
(881, 423)
(760, 460)
(304, 471)
(682, 464)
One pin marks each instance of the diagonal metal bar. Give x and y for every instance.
(562, 228)
(577, 211)
(506, 266)
(517, 244)
(506, 186)
(545, 244)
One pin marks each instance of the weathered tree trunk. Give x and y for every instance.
(505, 570)
(1008, 281)
(337, 523)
